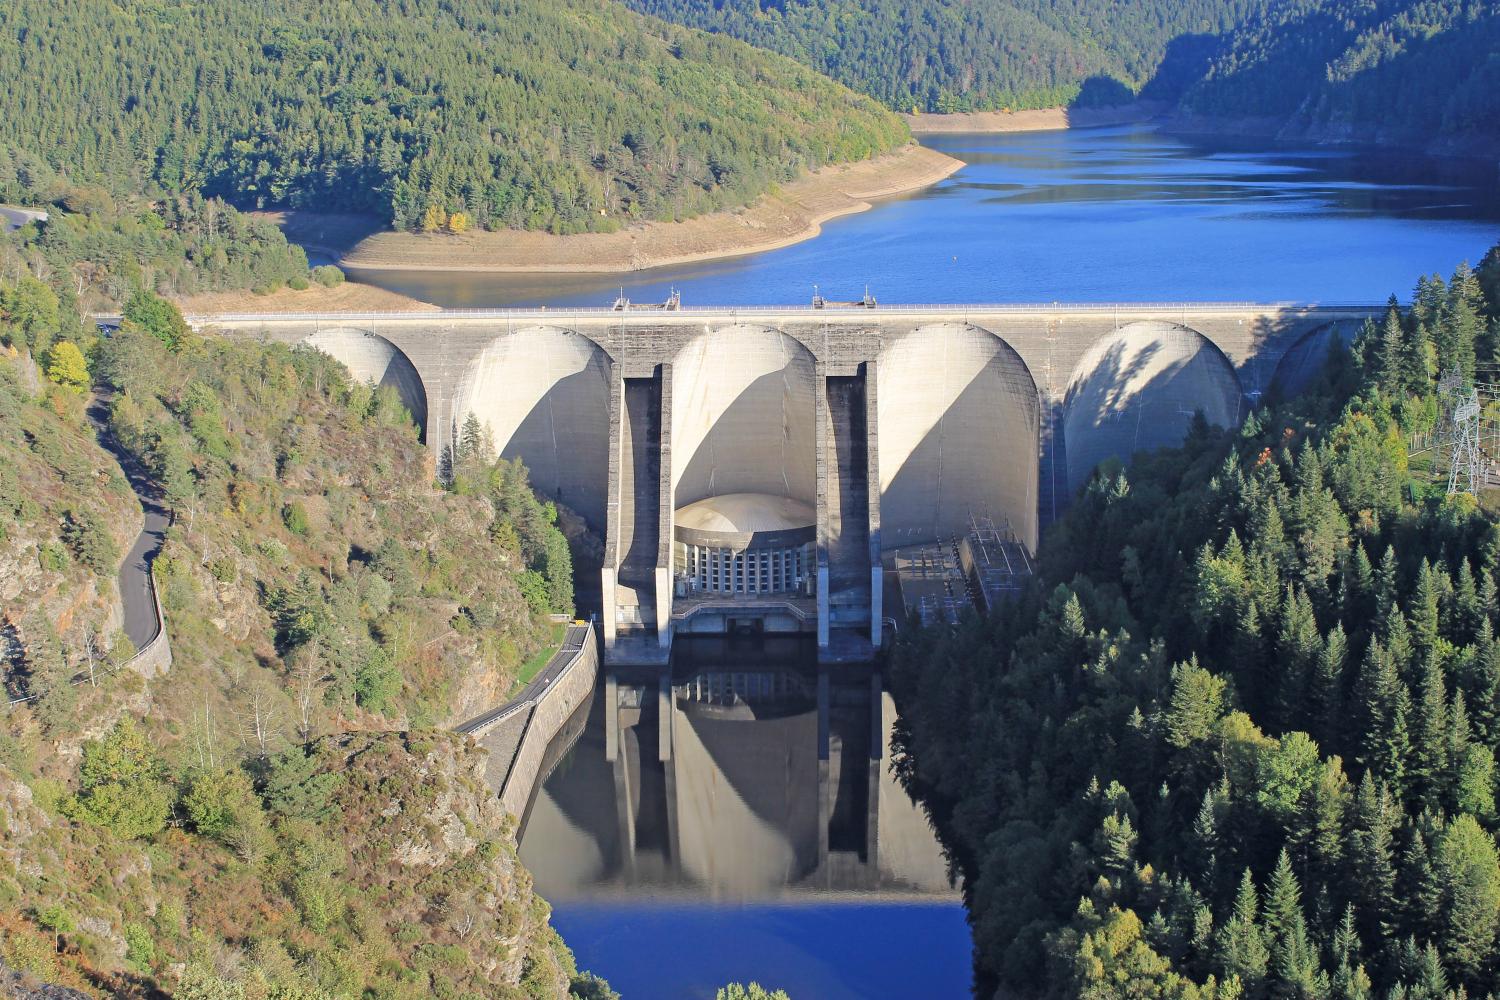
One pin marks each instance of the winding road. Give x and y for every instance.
(135, 571)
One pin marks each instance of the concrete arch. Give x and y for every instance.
(1138, 388)
(960, 425)
(743, 416)
(371, 358)
(544, 395)
(1303, 362)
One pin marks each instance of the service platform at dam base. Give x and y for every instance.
(822, 470)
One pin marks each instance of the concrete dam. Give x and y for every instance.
(771, 468)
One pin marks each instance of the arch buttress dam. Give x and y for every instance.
(892, 425)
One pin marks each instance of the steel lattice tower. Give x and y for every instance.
(1463, 471)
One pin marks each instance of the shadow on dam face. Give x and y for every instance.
(743, 416)
(1138, 388)
(959, 420)
(544, 395)
(373, 359)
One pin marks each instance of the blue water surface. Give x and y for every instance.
(814, 951)
(1109, 214)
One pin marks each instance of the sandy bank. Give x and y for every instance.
(348, 297)
(1044, 120)
(793, 213)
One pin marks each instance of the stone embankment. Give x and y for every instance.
(517, 734)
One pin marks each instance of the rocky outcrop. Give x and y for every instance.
(434, 847)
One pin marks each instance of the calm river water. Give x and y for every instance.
(736, 849)
(735, 819)
(1114, 214)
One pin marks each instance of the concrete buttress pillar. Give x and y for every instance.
(872, 480)
(610, 571)
(824, 468)
(665, 508)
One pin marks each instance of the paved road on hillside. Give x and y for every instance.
(135, 571)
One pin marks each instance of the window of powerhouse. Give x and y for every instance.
(744, 543)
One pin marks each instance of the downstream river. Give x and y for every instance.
(736, 818)
(1094, 215)
(734, 849)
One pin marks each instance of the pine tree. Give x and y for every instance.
(1424, 612)
(1465, 612)
(1420, 894)
(1297, 649)
(1386, 583)
(1467, 871)
(1389, 354)
(1241, 945)
(1429, 760)
(1294, 961)
(1326, 697)
(1203, 845)
(1372, 855)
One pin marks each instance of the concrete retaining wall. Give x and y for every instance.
(155, 657)
(517, 735)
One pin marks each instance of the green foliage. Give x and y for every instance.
(90, 542)
(754, 991)
(1265, 757)
(570, 117)
(120, 786)
(66, 366)
(30, 314)
(222, 804)
(947, 55)
(328, 276)
(155, 315)
(1403, 67)
(294, 516)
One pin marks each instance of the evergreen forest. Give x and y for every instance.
(567, 116)
(1393, 70)
(1239, 740)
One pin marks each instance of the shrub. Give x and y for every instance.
(66, 367)
(90, 542)
(140, 950)
(376, 683)
(298, 284)
(53, 557)
(120, 786)
(56, 919)
(294, 515)
(328, 276)
(221, 802)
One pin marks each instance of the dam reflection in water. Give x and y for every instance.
(741, 774)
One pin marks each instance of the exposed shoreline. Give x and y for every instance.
(794, 213)
(1040, 120)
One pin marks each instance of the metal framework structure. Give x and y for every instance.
(1464, 470)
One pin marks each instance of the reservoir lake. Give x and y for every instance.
(1122, 214)
(673, 878)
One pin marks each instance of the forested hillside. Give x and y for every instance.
(1240, 740)
(1396, 69)
(1357, 69)
(967, 55)
(247, 825)
(570, 115)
